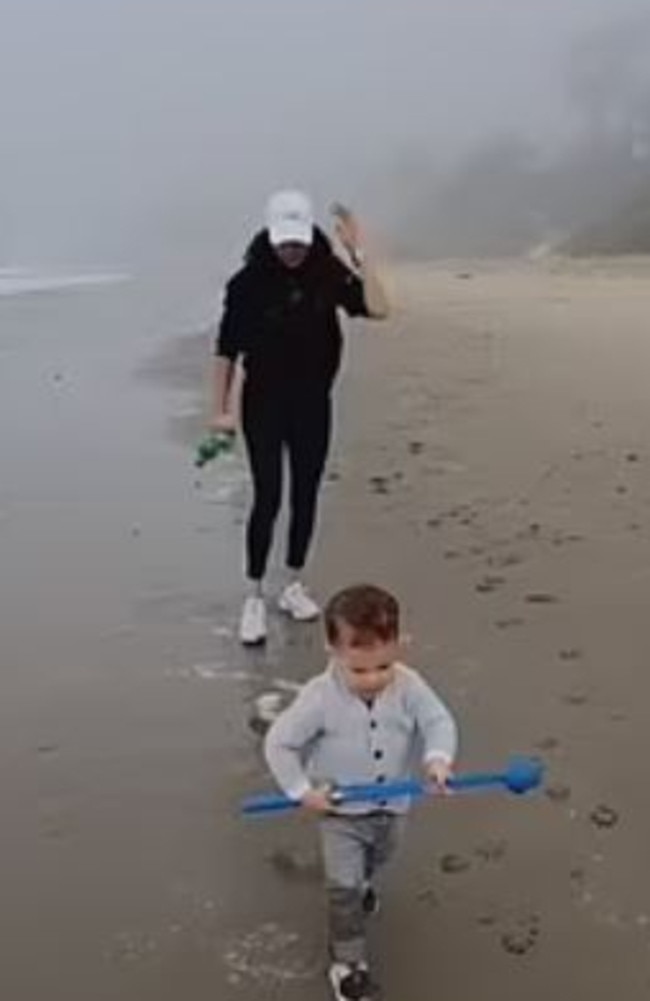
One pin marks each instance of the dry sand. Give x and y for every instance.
(492, 466)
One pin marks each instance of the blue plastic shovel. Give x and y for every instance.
(522, 775)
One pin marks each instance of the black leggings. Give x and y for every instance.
(303, 430)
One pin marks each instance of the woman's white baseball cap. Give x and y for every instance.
(290, 218)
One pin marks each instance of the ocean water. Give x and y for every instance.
(25, 281)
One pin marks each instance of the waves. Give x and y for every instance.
(23, 281)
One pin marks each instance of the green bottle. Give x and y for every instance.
(214, 444)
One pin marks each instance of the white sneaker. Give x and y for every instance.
(252, 625)
(350, 983)
(296, 602)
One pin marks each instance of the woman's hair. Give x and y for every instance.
(370, 613)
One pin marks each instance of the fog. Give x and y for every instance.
(151, 129)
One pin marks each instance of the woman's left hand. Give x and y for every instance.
(348, 229)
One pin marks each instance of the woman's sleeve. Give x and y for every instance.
(348, 289)
(229, 342)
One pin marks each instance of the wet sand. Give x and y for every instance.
(492, 466)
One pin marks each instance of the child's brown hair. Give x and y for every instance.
(371, 614)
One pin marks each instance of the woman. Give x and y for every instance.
(280, 317)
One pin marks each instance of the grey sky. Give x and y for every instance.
(151, 105)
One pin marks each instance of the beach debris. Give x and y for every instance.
(266, 709)
(209, 672)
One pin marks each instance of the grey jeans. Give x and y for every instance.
(354, 848)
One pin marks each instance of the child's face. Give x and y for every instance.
(367, 669)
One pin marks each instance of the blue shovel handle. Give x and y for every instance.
(521, 776)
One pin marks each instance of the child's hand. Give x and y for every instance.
(439, 770)
(318, 800)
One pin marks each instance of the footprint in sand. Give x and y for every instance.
(570, 653)
(294, 866)
(428, 897)
(578, 877)
(558, 793)
(492, 852)
(548, 744)
(453, 865)
(379, 485)
(463, 514)
(509, 623)
(522, 936)
(604, 817)
(575, 699)
(489, 583)
(532, 531)
(541, 598)
(506, 561)
(53, 822)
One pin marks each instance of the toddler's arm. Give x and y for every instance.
(435, 723)
(288, 739)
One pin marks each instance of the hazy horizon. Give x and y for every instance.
(131, 126)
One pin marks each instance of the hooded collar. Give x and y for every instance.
(260, 255)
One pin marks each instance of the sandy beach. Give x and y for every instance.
(492, 467)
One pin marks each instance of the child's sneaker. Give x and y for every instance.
(296, 601)
(350, 983)
(370, 900)
(252, 625)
